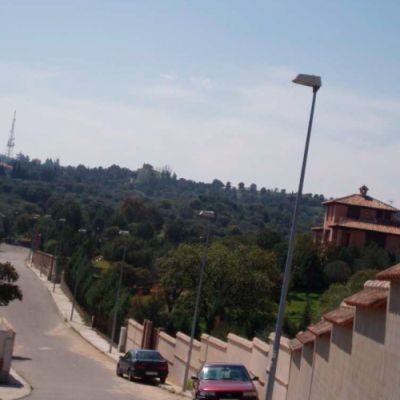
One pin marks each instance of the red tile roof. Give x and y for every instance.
(368, 298)
(362, 201)
(305, 337)
(320, 328)
(342, 316)
(368, 226)
(390, 274)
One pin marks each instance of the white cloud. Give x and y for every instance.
(250, 131)
(168, 77)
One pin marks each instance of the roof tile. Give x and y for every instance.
(362, 201)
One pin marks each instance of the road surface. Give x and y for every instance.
(56, 361)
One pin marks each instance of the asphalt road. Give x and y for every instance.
(55, 360)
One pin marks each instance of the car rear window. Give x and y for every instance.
(149, 355)
(225, 372)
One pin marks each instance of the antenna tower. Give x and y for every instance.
(11, 139)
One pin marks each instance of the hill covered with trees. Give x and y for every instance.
(165, 243)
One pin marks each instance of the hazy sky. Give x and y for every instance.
(205, 87)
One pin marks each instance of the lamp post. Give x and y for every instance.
(114, 322)
(209, 216)
(58, 248)
(77, 278)
(33, 237)
(314, 82)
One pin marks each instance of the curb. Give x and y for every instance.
(23, 392)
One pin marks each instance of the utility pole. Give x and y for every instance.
(11, 139)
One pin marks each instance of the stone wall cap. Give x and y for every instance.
(239, 340)
(7, 325)
(390, 274)
(321, 328)
(167, 338)
(214, 341)
(305, 337)
(380, 284)
(342, 316)
(368, 298)
(295, 345)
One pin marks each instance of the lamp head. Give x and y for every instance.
(313, 81)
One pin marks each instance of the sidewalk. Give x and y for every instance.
(64, 306)
(17, 388)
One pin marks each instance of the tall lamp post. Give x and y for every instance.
(114, 322)
(34, 237)
(314, 82)
(58, 250)
(77, 278)
(209, 216)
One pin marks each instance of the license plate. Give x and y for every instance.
(151, 373)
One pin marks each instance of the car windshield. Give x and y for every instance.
(149, 355)
(225, 372)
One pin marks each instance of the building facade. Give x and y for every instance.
(359, 220)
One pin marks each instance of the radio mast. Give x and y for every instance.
(11, 139)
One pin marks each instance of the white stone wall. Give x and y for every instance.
(7, 338)
(391, 369)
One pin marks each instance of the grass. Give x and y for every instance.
(297, 302)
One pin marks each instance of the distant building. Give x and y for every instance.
(359, 220)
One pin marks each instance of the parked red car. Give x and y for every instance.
(224, 381)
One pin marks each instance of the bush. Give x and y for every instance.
(336, 272)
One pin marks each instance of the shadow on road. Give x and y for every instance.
(21, 358)
(12, 383)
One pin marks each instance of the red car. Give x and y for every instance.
(224, 381)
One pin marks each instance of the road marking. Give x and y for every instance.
(44, 348)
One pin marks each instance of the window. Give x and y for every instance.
(353, 212)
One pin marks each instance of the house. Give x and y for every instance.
(359, 220)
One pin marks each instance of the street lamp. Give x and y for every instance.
(114, 322)
(58, 249)
(209, 216)
(314, 82)
(77, 278)
(34, 237)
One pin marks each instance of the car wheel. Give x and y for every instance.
(119, 373)
(162, 380)
(131, 375)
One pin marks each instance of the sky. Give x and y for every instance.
(205, 88)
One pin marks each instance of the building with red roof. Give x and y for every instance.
(359, 220)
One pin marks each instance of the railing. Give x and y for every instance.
(379, 221)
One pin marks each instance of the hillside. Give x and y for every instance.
(165, 243)
(40, 188)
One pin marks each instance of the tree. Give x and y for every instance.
(239, 286)
(307, 315)
(8, 290)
